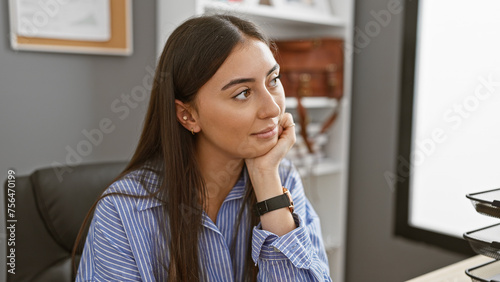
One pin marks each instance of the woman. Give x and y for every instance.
(211, 152)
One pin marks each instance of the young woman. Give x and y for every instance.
(203, 197)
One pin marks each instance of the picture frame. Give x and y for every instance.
(104, 27)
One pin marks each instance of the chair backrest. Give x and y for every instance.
(50, 208)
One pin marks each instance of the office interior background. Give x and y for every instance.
(47, 99)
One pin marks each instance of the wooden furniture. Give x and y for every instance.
(454, 272)
(325, 182)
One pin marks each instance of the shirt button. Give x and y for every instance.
(276, 250)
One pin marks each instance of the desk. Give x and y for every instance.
(454, 272)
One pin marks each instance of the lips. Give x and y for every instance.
(268, 132)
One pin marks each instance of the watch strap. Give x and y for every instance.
(274, 203)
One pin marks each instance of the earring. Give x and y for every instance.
(192, 130)
(185, 118)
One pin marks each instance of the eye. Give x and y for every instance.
(274, 81)
(243, 95)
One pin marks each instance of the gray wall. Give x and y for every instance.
(48, 99)
(373, 251)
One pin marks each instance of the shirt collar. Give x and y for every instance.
(151, 183)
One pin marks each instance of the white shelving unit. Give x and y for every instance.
(311, 102)
(325, 182)
(271, 13)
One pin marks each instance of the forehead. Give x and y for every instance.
(251, 49)
(249, 59)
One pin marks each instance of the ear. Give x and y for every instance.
(186, 116)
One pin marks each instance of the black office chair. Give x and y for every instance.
(49, 212)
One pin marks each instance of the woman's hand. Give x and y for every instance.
(266, 182)
(263, 170)
(286, 139)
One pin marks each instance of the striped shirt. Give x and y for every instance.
(123, 239)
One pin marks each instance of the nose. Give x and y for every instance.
(268, 107)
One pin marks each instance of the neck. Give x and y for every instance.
(220, 174)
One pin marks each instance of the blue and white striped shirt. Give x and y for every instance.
(122, 243)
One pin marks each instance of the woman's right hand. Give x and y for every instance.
(263, 170)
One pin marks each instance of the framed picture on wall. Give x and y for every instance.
(72, 26)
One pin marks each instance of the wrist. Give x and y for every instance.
(262, 172)
(266, 187)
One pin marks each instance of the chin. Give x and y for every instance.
(263, 149)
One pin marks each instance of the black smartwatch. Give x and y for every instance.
(278, 202)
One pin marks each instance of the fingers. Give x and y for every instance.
(287, 120)
(288, 127)
(287, 123)
(285, 142)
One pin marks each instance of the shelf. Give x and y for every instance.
(324, 167)
(270, 13)
(312, 102)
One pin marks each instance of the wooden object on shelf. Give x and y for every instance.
(311, 67)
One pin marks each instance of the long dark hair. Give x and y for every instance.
(193, 53)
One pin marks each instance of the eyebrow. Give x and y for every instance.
(243, 80)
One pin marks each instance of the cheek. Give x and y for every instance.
(228, 123)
